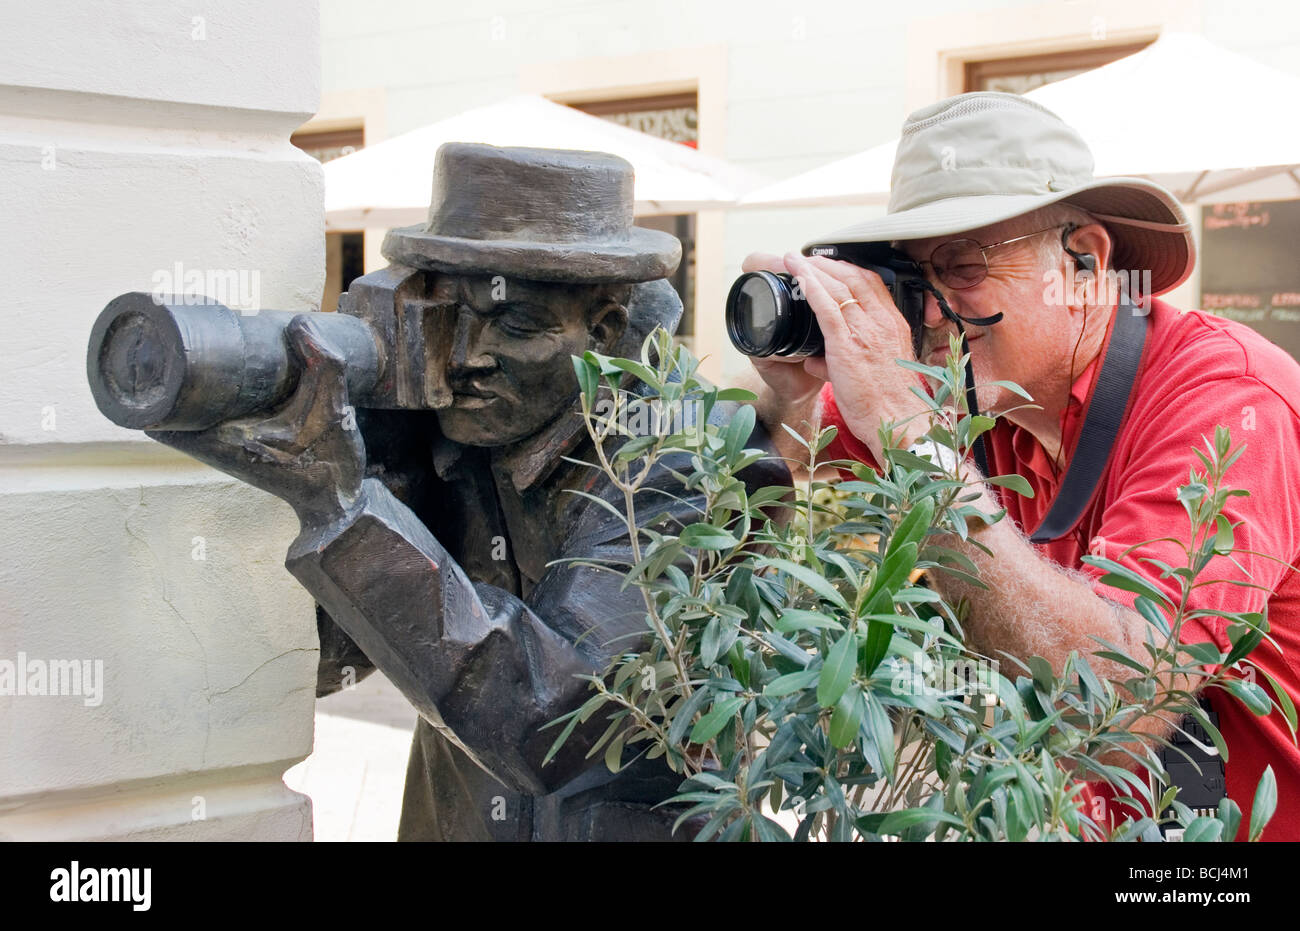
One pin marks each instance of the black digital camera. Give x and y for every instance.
(768, 316)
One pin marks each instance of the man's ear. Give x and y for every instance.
(1092, 239)
(606, 322)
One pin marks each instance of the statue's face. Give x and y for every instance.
(509, 368)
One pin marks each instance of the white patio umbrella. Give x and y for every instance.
(1207, 123)
(389, 184)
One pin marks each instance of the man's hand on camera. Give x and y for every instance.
(865, 335)
(309, 452)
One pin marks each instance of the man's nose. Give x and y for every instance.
(465, 351)
(933, 315)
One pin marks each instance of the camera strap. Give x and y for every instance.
(1105, 414)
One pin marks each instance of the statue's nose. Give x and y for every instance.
(465, 350)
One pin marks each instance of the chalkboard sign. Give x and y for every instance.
(1250, 267)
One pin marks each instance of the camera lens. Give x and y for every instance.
(765, 318)
(756, 311)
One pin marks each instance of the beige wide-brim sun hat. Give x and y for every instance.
(977, 159)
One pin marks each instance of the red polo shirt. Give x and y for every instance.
(1197, 372)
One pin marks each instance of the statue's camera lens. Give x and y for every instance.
(766, 317)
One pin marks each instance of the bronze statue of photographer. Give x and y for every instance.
(421, 435)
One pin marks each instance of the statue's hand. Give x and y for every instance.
(309, 452)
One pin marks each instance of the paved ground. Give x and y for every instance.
(355, 773)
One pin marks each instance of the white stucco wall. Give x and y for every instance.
(134, 137)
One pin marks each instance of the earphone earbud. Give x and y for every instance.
(1084, 261)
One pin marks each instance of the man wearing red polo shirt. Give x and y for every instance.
(994, 196)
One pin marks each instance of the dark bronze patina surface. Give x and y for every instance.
(422, 435)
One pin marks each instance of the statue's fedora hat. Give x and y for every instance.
(540, 214)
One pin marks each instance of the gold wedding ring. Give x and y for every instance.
(851, 300)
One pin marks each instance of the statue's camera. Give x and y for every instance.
(766, 314)
(190, 363)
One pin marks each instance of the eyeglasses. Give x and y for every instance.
(962, 263)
